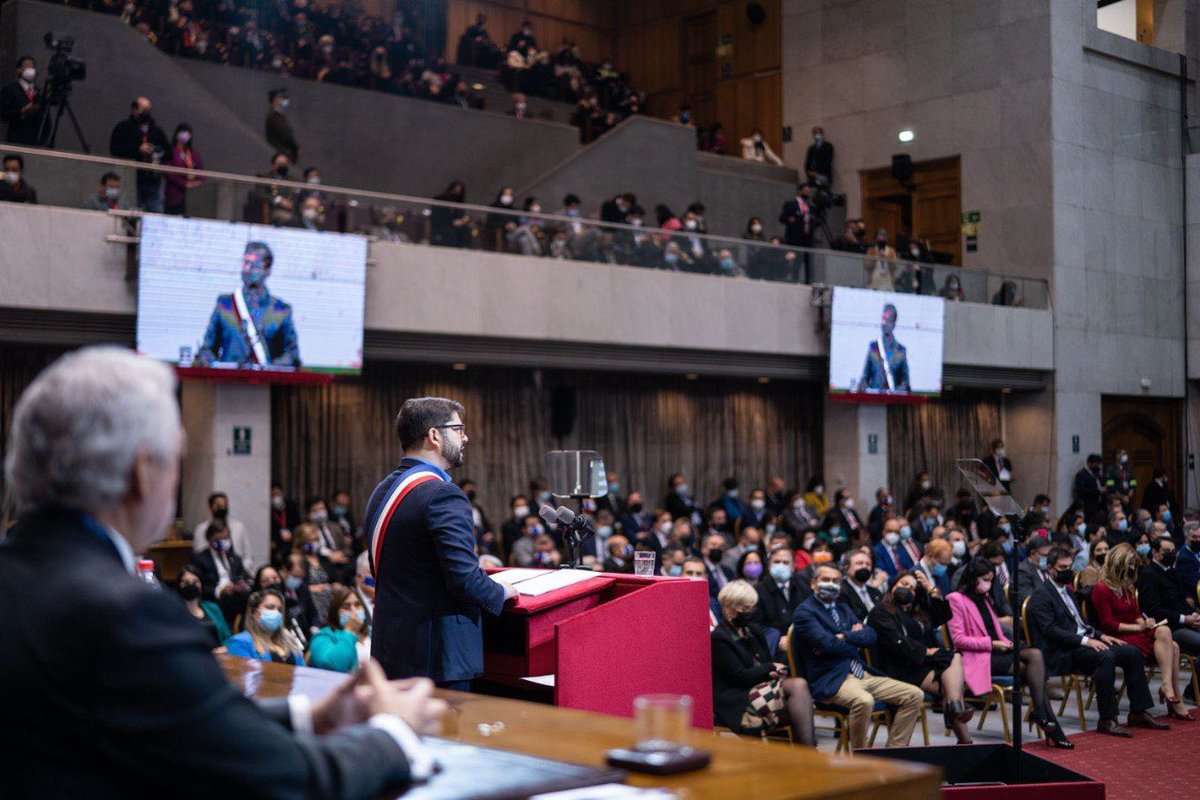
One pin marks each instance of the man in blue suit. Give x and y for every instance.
(890, 554)
(429, 587)
(828, 638)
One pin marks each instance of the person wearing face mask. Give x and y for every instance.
(190, 586)
(906, 621)
(345, 641)
(21, 104)
(935, 566)
(755, 513)
(883, 508)
(1187, 563)
(1158, 493)
(1090, 574)
(14, 188)
(679, 500)
(749, 567)
(892, 554)
(959, 549)
(756, 148)
(272, 202)
(495, 222)
(713, 551)
(321, 574)
(218, 509)
(1034, 570)
(1089, 485)
(818, 159)
(952, 289)
(108, 198)
(285, 516)
(1119, 613)
(798, 517)
(749, 539)
(752, 691)
(265, 638)
(278, 128)
(798, 220)
(857, 590)
(779, 591)
(828, 638)
(226, 581)
(1163, 596)
(512, 528)
(139, 138)
(843, 525)
(1000, 465)
(979, 634)
(183, 154)
(312, 215)
(1118, 478)
(301, 608)
(880, 264)
(251, 306)
(1071, 645)
(620, 555)
(523, 550)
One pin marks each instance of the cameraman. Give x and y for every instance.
(21, 104)
(140, 139)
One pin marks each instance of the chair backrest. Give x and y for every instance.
(1198, 591)
(1025, 620)
(945, 629)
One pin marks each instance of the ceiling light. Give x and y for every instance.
(459, 367)
(764, 379)
(691, 376)
(906, 135)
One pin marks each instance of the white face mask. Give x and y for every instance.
(310, 214)
(29, 73)
(12, 177)
(848, 502)
(892, 538)
(758, 505)
(756, 228)
(520, 512)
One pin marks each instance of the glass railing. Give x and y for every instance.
(74, 180)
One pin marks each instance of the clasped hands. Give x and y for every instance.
(368, 692)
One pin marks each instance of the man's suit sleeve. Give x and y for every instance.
(818, 636)
(1043, 619)
(449, 518)
(168, 712)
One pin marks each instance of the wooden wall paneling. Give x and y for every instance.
(725, 97)
(768, 108)
(768, 39)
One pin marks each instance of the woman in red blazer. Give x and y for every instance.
(1118, 614)
(976, 633)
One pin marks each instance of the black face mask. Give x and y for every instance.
(636, 508)
(189, 591)
(277, 586)
(1100, 558)
(741, 619)
(1064, 576)
(1194, 547)
(471, 495)
(1168, 559)
(862, 574)
(714, 555)
(220, 513)
(903, 595)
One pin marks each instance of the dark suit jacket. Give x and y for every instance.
(110, 690)
(1161, 594)
(797, 226)
(826, 656)
(280, 136)
(851, 598)
(773, 609)
(991, 463)
(713, 588)
(884, 561)
(819, 159)
(429, 585)
(738, 665)
(21, 130)
(206, 564)
(1089, 491)
(1053, 628)
(1029, 578)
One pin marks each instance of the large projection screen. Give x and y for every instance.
(885, 345)
(237, 299)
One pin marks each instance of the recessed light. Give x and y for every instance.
(1006, 390)
(906, 135)
(764, 379)
(459, 367)
(691, 376)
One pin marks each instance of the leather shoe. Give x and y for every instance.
(1144, 720)
(1111, 727)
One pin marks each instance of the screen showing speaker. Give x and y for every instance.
(885, 345)
(251, 298)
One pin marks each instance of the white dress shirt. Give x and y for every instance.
(1080, 628)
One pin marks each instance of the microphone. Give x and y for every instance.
(575, 522)
(548, 514)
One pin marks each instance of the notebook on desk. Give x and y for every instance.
(509, 775)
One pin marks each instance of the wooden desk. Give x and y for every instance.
(741, 769)
(171, 555)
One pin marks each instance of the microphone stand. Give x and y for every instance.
(574, 537)
(1014, 561)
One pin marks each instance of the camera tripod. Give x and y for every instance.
(59, 96)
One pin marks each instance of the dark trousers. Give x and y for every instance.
(456, 686)
(1103, 667)
(1188, 640)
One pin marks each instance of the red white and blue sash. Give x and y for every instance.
(411, 479)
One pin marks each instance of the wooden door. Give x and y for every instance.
(928, 206)
(1149, 430)
(700, 65)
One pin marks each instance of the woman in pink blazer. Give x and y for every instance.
(976, 633)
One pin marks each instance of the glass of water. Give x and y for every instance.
(663, 721)
(643, 562)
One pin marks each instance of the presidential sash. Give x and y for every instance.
(249, 327)
(412, 478)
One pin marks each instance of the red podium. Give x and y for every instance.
(606, 640)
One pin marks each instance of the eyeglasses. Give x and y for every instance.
(461, 428)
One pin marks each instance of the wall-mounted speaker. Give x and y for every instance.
(902, 168)
(755, 13)
(563, 400)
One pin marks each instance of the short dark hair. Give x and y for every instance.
(1157, 543)
(215, 495)
(271, 95)
(310, 171)
(991, 549)
(279, 153)
(312, 501)
(571, 200)
(109, 176)
(263, 250)
(14, 157)
(1058, 553)
(975, 569)
(419, 414)
(23, 59)
(890, 307)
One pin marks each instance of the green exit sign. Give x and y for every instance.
(241, 441)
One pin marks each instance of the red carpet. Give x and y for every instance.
(1151, 764)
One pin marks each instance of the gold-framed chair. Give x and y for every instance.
(879, 721)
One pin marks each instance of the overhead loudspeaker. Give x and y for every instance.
(755, 13)
(902, 167)
(562, 411)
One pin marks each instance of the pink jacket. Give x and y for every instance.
(971, 639)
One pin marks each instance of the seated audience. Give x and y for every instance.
(827, 638)
(14, 188)
(1071, 645)
(345, 641)
(1163, 593)
(265, 638)
(890, 554)
(987, 652)
(222, 573)
(909, 649)
(108, 198)
(751, 691)
(755, 148)
(749, 567)
(779, 592)
(1034, 570)
(934, 565)
(321, 575)
(190, 586)
(1119, 614)
(857, 590)
(1089, 576)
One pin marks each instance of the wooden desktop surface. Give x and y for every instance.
(741, 769)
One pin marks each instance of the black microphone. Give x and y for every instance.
(575, 522)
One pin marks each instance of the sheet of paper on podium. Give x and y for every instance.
(550, 580)
(515, 576)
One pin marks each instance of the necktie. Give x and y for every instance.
(856, 667)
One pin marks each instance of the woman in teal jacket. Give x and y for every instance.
(207, 614)
(346, 640)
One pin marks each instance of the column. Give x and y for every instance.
(856, 450)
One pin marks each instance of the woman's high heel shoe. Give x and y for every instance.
(1174, 712)
(1166, 699)
(1054, 735)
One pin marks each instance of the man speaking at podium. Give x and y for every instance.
(429, 587)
